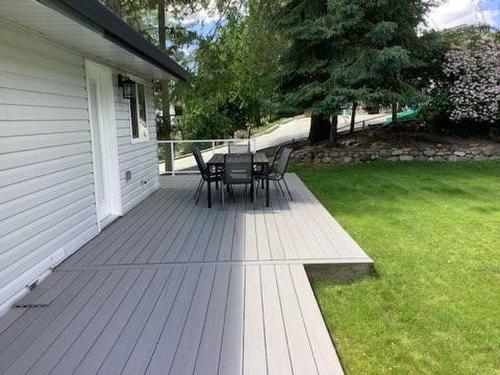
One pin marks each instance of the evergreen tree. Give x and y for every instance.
(345, 51)
(304, 76)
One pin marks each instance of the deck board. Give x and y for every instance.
(207, 358)
(177, 288)
(172, 229)
(254, 345)
(278, 355)
(146, 288)
(231, 351)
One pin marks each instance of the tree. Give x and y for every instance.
(473, 71)
(304, 76)
(461, 79)
(133, 12)
(353, 116)
(229, 90)
(345, 51)
(385, 49)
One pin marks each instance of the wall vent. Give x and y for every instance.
(38, 296)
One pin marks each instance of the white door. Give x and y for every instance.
(104, 145)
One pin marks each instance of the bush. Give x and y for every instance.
(474, 74)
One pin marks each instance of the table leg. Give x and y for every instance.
(209, 195)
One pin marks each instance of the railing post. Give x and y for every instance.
(213, 147)
(363, 127)
(166, 155)
(172, 158)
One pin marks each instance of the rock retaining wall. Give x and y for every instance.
(324, 155)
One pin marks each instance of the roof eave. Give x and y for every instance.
(98, 17)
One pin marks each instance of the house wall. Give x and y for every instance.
(139, 158)
(47, 202)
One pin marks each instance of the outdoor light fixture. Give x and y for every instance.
(128, 87)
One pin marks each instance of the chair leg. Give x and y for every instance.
(199, 190)
(276, 188)
(287, 189)
(281, 188)
(232, 193)
(200, 185)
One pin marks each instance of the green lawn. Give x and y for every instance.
(433, 231)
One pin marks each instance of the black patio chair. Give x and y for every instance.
(260, 176)
(238, 170)
(278, 171)
(207, 175)
(239, 148)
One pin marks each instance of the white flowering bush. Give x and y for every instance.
(473, 71)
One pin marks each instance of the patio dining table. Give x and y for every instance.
(260, 160)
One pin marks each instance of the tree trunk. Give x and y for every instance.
(334, 129)
(353, 115)
(395, 112)
(320, 128)
(115, 6)
(162, 37)
(164, 87)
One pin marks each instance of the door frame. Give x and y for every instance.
(110, 163)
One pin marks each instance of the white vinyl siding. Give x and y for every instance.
(47, 203)
(138, 157)
(47, 193)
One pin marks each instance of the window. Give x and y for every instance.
(138, 114)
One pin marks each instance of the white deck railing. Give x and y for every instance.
(184, 162)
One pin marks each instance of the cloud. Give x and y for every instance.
(209, 14)
(458, 12)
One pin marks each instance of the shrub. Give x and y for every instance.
(473, 71)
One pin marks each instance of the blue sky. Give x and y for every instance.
(449, 14)
(458, 12)
(494, 7)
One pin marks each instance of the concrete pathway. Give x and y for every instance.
(296, 128)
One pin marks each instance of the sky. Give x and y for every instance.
(449, 14)
(458, 12)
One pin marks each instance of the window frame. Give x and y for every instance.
(137, 117)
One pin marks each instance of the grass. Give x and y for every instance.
(433, 230)
(265, 127)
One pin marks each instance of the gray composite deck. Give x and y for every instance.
(177, 288)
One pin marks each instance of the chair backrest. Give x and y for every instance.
(199, 161)
(239, 148)
(275, 157)
(282, 164)
(238, 168)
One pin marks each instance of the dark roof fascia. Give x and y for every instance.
(98, 17)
